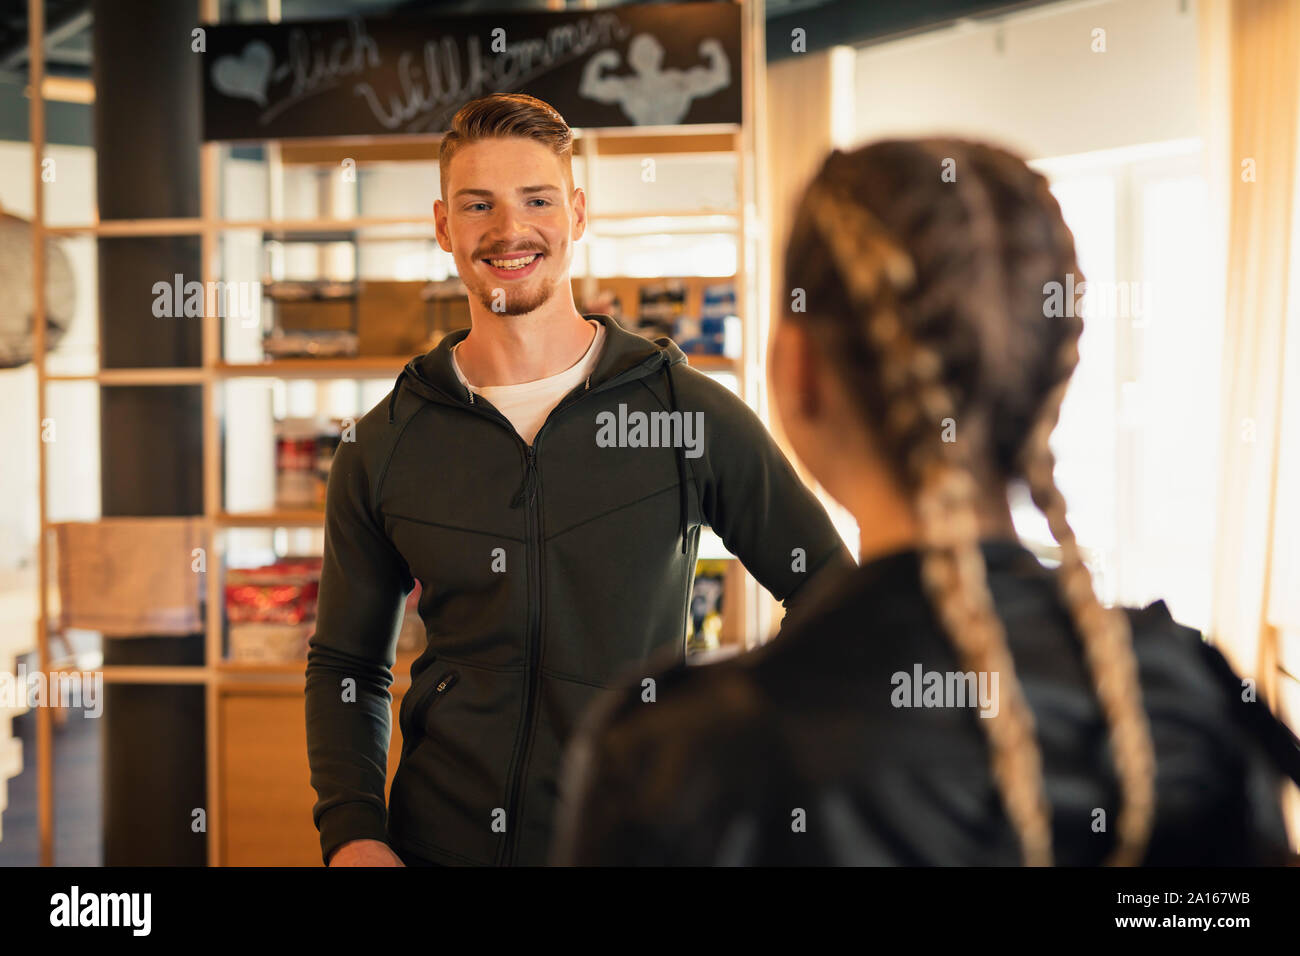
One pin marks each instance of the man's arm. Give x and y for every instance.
(752, 497)
(364, 583)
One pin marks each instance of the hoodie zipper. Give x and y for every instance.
(536, 603)
(537, 594)
(529, 492)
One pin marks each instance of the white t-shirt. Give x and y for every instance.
(527, 404)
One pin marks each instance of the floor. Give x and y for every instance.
(77, 786)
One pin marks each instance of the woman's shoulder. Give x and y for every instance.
(662, 766)
(1178, 668)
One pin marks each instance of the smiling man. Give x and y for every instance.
(555, 554)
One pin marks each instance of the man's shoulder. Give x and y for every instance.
(727, 419)
(699, 386)
(372, 434)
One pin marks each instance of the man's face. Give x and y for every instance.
(510, 219)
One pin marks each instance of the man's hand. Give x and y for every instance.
(365, 853)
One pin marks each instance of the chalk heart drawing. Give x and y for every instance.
(246, 75)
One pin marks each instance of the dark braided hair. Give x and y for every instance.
(928, 297)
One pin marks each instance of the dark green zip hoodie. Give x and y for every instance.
(547, 574)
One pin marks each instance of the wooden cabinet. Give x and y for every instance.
(264, 782)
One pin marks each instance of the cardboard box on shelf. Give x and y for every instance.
(393, 318)
(316, 315)
(269, 643)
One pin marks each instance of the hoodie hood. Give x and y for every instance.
(625, 355)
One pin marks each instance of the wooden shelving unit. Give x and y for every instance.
(228, 680)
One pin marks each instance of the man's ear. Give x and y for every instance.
(440, 225)
(579, 213)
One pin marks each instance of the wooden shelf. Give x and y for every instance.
(328, 224)
(293, 518)
(362, 366)
(131, 227)
(423, 147)
(194, 227)
(135, 376)
(226, 668)
(278, 668)
(645, 140)
(253, 723)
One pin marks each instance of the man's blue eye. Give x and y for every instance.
(472, 205)
(545, 202)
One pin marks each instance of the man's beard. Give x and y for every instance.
(517, 301)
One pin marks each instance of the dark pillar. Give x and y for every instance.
(147, 112)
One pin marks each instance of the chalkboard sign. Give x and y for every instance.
(651, 65)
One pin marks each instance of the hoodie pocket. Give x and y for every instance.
(413, 726)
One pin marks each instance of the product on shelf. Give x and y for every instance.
(280, 593)
(661, 304)
(717, 331)
(394, 317)
(719, 301)
(310, 316)
(607, 302)
(272, 610)
(705, 629)
(268, 643)
(327, 442)
(709, 336)
(307, 290)
(315, 343)
(304, 449)
(447, 305)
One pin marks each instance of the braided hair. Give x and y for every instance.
(928, 298)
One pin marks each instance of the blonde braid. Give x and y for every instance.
(1106, 638)
(939, 476)
(1104, 633)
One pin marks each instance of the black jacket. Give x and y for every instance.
(732, 759)
(546, 574)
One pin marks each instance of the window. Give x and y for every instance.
(1137, 444)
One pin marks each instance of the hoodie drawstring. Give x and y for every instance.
(678, 457)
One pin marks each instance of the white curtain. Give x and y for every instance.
(1250, 71)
